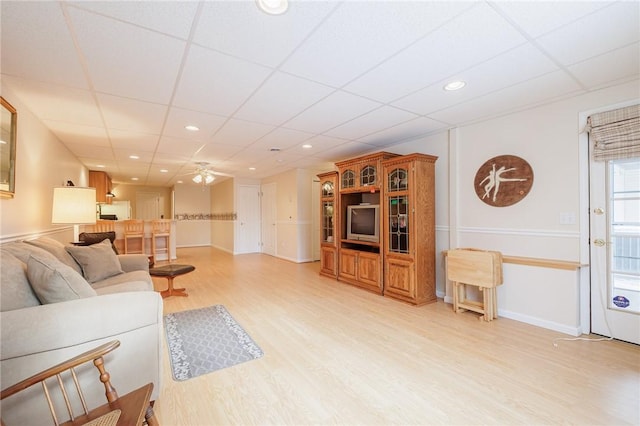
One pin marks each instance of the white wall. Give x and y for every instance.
(42, 163)
(548, 138)
(192, 199)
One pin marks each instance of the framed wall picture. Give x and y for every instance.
(503, 180)
(8, 127)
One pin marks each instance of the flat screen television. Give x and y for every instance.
(363, 222)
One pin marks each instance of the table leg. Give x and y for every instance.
(170, 291)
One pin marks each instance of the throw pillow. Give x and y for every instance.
(98, 261)
(91, 238)
(53, 281)
(56, 248)
(15, 291)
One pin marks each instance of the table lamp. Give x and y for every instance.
(74, 205)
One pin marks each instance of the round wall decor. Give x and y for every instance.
(503, 180)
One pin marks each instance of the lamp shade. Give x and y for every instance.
(74, 205)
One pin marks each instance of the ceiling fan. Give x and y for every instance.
(203, 174)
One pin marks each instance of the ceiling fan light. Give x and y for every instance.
(197, 178)
(208, 179)
(273, 7)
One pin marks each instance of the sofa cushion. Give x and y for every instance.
(53, 281)
(98, 261)
(97, 237)
(57, 249)
(15, 293)
(137, 280)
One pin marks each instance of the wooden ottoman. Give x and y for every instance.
(170, 272)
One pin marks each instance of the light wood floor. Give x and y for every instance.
(336, 354)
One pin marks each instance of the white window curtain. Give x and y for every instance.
(615, 134)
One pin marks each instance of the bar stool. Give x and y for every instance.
(161, 228)
(102, 226)
(133, 229)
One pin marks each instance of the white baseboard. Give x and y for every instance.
(549, 325)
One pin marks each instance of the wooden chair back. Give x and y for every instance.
(161, 227)
(102, 226)
(133, 227)
(75, 397)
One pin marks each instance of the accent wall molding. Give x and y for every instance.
(521, 232)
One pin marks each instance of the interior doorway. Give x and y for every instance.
(149, 205)
(248, 222)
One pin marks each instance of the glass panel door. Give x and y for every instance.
(615, 249)
(398, 224)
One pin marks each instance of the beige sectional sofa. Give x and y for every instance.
(58, 301)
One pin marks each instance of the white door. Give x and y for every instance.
(269, 217)
(149, 205)
(615, 248)
(248, 223)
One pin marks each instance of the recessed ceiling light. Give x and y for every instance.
(252, 168)
(100, 166)
(192, 128)
(179, 181)
(134, 178)
(307, 146)
(164, 171)
(134, 157)
(273, 7)
(454, 85)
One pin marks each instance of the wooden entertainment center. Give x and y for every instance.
(396, 257)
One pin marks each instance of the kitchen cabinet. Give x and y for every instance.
(102, 183)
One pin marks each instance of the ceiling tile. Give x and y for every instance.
(404, 131)
(529, 93)
(42, 26)
(132, 115)
(474, 37)
(355, 38)
(281, 97)
(507, 69)
(240, 29)
(169, 17)
(216, 83)
(121, 139)
(281, 138)
(240, 132)
(59, 103)
(539, 17)
(148, 61)
(588, 37)
(344, 151)
(330, 112)
(598, 71)
(216, 152)
(183, 148)
(78, 134)
(179, 118)
(372, 122)
(84, 150)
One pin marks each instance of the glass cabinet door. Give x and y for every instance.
(327, 221)
(327, 189)
(368, 176)
(398, 224)
(398, 210)
(348, 179)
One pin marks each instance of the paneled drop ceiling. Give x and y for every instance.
(120, 78)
